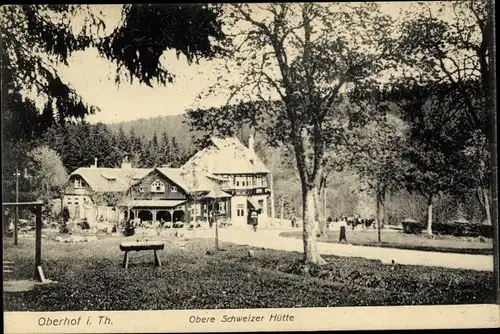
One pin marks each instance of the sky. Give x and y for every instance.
(93, 78)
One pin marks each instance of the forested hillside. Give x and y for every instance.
(174, 126)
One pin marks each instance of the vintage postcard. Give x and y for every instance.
(249, 167)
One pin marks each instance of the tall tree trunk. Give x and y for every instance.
(311, 254)
(382, 207)
(281, 211)
(320, 214)
(487, 199)
(378, 218)
(429, 215)
(321, 205)
(309, 185)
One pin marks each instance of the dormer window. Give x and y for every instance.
(141, 189)
(78, 183)
(157, 187)
(173, 189)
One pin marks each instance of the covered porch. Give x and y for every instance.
(158, 210)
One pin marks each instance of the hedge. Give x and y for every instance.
(458, 229)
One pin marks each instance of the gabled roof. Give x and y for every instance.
(226, 156)
(110, 179)
(189, 181)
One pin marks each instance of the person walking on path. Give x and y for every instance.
(343, 226)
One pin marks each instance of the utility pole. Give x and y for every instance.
(16, 218)
(216, 226)
(272, 197)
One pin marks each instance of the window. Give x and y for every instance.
(173, 189)
(78, 183)
(261, 203)
(141, 189)
(157, 187)
(237, 183)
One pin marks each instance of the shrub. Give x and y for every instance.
(128, 231)
(84, 224)
(486, 231)
(65, 214)
(462, 229)
(412, 227)
(63, 228)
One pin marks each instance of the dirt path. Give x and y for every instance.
(271, 239)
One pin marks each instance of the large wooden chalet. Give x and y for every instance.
(184, 194)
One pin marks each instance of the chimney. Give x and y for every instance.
(125, 163)
(251, 142)
(95, 162)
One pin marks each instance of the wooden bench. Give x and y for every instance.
(128, 246)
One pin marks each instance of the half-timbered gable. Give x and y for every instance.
(156, 185)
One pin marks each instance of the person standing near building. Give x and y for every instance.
(254, 220)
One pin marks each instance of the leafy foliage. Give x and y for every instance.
(36, 39)
(447, 64)
(47, 173)
(149, 30)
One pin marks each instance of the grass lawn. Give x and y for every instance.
(90, 277)
(398, 239)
